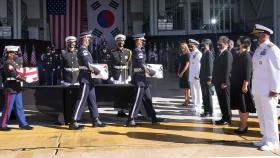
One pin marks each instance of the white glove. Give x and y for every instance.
(29, 80)
(128, 80)
(111, 79)
(65, 83)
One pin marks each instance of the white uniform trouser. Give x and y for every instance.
(268, 120)
(196, 93)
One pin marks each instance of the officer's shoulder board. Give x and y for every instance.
(84, 52)
(139, 54)
(270, 45)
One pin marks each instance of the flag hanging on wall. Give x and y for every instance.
(105, 19)
(64, 19)
(33, 56)
(25, 56)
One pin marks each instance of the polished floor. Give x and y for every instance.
(184, 134)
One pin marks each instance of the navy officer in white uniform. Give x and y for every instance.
(266, 87)
(87, 90)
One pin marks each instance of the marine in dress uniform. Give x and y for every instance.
(205, 77)
(56, 66)
(194, 70)
(120, 66)
(12, 90)
(266, 87)
(143, 94)
(221, 79)
(87, 90)
(120, 62)
(69, 62)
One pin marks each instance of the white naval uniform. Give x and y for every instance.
(266, 78)
(194, 71)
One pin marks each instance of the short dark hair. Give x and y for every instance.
(246, 41)
(183, 41)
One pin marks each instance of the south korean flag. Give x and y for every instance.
(105, 18)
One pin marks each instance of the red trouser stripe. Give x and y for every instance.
(7, 109)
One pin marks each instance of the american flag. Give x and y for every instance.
(64, 19)
(33, 57)
(25, 56)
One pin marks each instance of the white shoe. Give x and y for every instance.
(269, 147)
(198, 110)
(192, 109)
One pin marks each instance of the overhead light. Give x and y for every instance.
(214, 21)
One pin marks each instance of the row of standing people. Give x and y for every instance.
(243, 80)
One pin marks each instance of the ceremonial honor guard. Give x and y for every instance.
(104, 53)
(266, 87)
(195, 56)
(120, 66)
(56, 66)
(69, 62)
(120, 62)
(48, 64)
(87, 90)
(143, 94)
(12, 90)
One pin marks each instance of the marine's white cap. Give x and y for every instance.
(12, 48)
(70, 38)
(120, 37)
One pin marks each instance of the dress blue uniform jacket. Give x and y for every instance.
(84, 59)
(138, 62)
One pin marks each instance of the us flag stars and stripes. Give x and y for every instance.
(64, 19)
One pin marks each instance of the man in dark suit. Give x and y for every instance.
(206, 76)
(221, 79)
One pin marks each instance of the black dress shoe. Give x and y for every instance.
(205, 115)
(26, 127)
(121, 114)
(130, 123)
(157, 120)
(5, 129)
(74, 126)
(97, 123)
(238, 131)
(222, 122)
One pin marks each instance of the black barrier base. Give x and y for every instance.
(62, 100)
